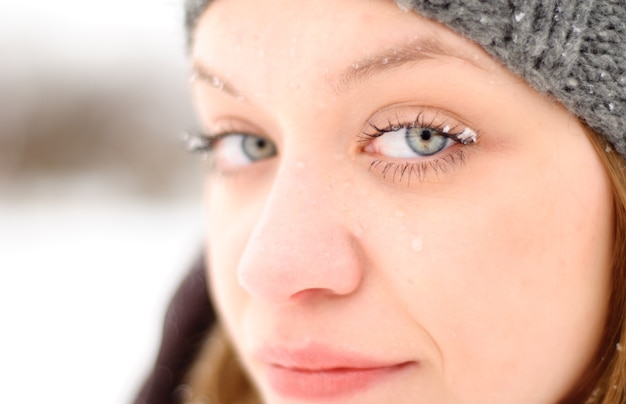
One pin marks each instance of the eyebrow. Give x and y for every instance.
(204, 74)
(414, 51)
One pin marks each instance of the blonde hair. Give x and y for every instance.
(608, 378)
(217, 377)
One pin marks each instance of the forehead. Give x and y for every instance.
(287, 40)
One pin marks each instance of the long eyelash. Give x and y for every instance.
(454, 132)
(407, 170)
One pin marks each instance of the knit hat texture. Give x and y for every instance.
(574, 50)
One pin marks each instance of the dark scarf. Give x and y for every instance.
(188, 318)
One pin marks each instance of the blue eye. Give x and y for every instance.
(231, 151)
(409, 142)
(257, 148)
(237, 150)
(425, 141)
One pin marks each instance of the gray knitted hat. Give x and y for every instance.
(574, 50)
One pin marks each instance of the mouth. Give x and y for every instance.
(320, 373)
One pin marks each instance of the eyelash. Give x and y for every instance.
(421, 169)
(196, 142)
(202, 144)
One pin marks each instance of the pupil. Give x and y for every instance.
(260, 143)
(425, 134)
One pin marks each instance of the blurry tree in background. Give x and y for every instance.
(93, 89)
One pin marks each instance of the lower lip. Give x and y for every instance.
(326, 384)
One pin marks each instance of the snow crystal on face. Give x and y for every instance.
(519, 16)
(467, 136)
(611, 106)
(217, 83)
(195, 143)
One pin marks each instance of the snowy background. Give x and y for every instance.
(100, 208)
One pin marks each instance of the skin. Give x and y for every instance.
(490, 273)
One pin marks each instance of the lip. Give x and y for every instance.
(319, 372)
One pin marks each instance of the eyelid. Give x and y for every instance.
(223, 126)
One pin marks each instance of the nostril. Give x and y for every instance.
(309, 294)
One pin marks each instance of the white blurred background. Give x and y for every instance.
(100, 210)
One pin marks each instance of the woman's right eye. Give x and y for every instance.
(233, 151)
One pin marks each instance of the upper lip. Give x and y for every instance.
(319, 357)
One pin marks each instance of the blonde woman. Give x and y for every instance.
(411, 202)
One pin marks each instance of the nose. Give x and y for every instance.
(301, 244)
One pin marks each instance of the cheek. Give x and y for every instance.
(543, 277)
(227, 237)
(512, 272)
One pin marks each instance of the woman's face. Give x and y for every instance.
(394, 217)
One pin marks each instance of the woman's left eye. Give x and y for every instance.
(409, 142)
(233, 151)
